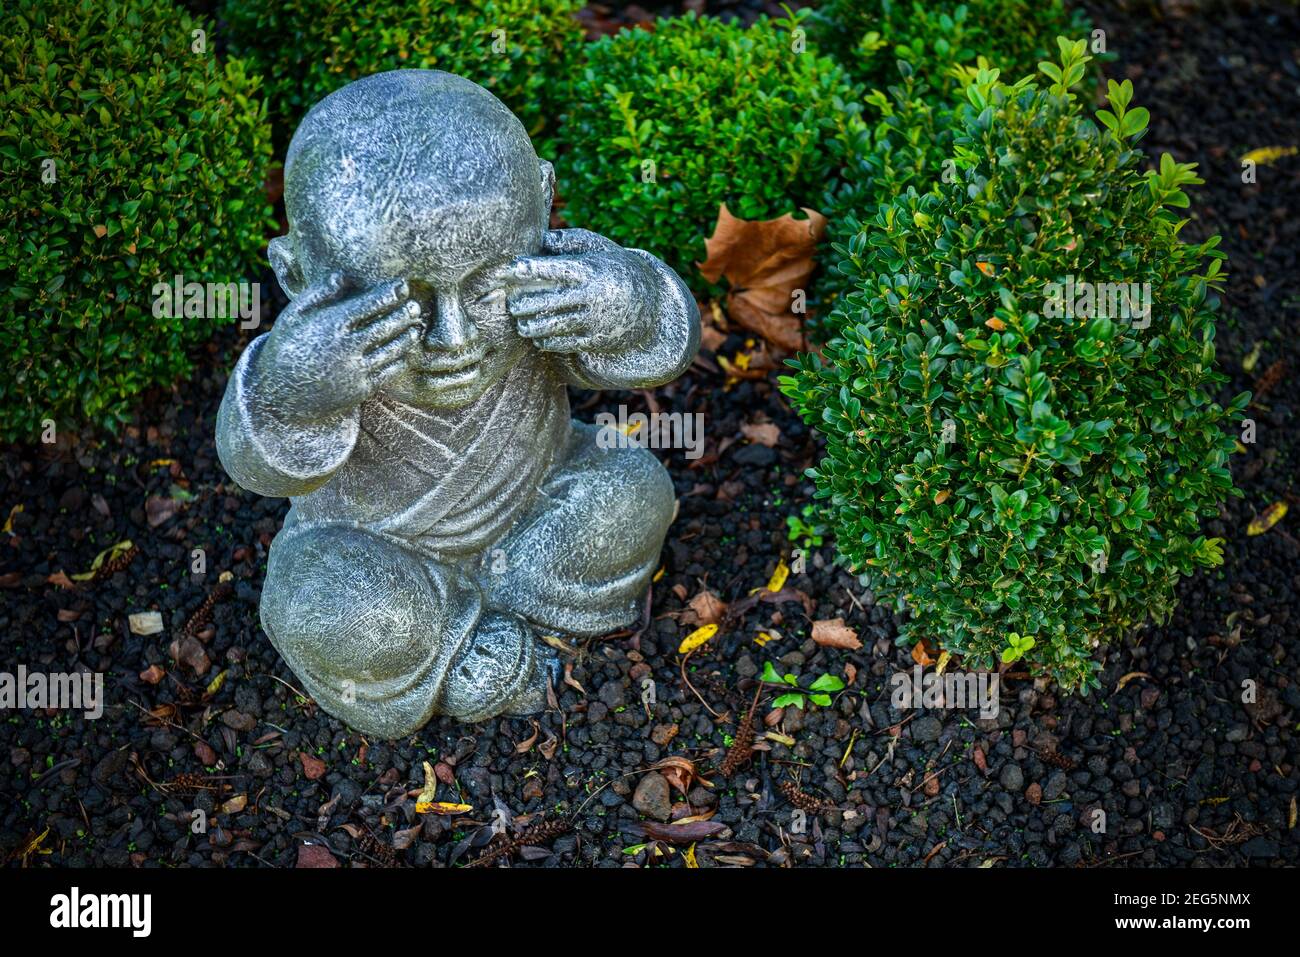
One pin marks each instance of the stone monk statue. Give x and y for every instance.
(411, 402)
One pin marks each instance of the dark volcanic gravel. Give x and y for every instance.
(1185, 773)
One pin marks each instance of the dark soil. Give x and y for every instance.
(1186, 773)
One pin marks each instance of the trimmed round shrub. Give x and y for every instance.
(1015, 449)
(665, 127)
(917, 59)
(909, 146)
(870, 36)
(126, 158)
(521, 50)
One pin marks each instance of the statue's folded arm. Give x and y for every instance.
(268, 455)
(665, 355)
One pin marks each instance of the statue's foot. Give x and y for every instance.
(532, 697)
(501, 669)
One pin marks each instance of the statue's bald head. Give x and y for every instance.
(411, 173)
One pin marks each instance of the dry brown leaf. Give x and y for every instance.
(523, 747)
(152, 675)
(679, 772)
(707, 609)
(403, 839)
(315, 855)
(921, 654)
(764, 262)
(571, 681)
(312, 767)
(764, 433)
(1129, 677)
(833, 633)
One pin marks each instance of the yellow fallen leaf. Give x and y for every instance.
(441, 807)
(944, 658)
(688, 855)
(659, 574)
(1268, 154)
(696, 638)
(235, 804)
(9, 522)
(34, 847)
(1290, 815)
(1248, 363)
(107, 555)
(780, 738)
(215, 684)
(762, 638)
(159, 462)
(430, 786)
(985, 268)
(996, 324)
(1266, 519)
(777, 581)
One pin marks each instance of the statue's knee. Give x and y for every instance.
(343, 604)
(632, 494)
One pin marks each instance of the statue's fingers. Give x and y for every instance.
(573, 242)
(562, 343)
(554, 324)
(319, 294)
(564, 269)
(392, 353)
(396, 323)
(532, 302)
(374, 303)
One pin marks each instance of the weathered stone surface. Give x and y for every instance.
(411, 401)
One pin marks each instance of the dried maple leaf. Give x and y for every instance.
(833, 633)
(764, 262)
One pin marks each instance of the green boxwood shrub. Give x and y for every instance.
(125, 159)
(748, 117)
(522, 50)
(1024, 470)
(908, 146)
(916, 58)
(870, 36)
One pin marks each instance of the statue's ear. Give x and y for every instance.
(548, 184)
(285, 263)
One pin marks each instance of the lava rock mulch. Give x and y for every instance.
(203, 715)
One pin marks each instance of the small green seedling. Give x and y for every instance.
(1017, 646)
(807, 533)
(818, 692)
